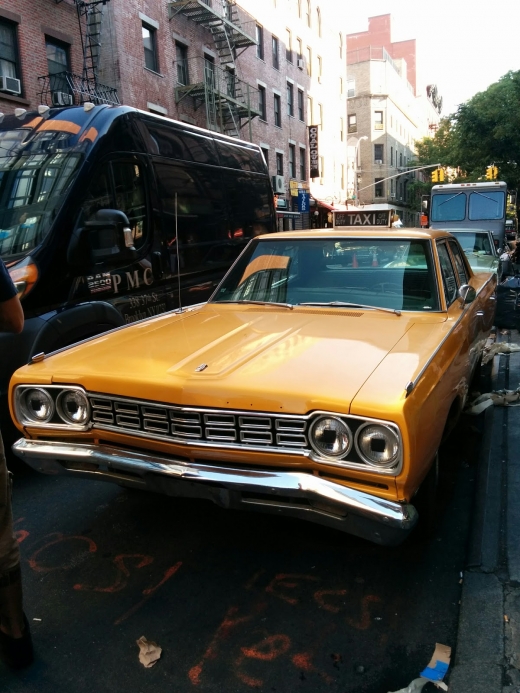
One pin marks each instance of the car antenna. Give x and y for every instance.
(178, 256)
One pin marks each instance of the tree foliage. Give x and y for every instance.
(483, 131)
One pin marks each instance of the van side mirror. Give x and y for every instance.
(467, 294)
(105, 237)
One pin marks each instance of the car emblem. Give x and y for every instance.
(200, 368)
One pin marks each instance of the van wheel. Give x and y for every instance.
(426, 500)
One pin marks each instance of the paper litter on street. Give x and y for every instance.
(149, 652)
(498, 348)
(498, 398)
(434, 672)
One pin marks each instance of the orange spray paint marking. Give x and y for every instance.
(229, 622)
(364, 622)
(267, 650)
(303, 661)
(20, 535)
(287, 580)
(35, 564)
(149, 592)
(251, 582)
(320, 597)
(123, 573)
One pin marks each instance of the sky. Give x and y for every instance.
(463, 46)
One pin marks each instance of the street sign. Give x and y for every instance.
(378, 218)
(303, 201)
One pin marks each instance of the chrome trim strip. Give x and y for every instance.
(439, 347)
(53, 458)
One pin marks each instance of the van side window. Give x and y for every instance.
(174, 143)
(119, 185)
(201, 219)
(240, 157)
(249, 198)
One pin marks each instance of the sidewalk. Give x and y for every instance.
(487, 658)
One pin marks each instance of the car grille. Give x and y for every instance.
(200, 426)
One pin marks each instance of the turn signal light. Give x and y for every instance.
(24, 276)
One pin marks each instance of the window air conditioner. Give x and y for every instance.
(300, 63)
(10, 84)
(378, 161)
(61, 98)
(392, 195)
(278, 184)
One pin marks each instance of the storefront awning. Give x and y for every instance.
(325, 205)
(287, 215)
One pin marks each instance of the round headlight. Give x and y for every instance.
(73, 407)
(37, 405)
(378, 445)
(330, 437)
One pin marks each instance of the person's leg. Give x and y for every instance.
(15, 639)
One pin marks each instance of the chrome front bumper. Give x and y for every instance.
(295, 494)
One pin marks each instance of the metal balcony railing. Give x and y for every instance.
(68, 89)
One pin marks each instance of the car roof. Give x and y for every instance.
(365, 232)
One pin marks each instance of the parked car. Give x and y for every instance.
(479, 249)
(309, 385)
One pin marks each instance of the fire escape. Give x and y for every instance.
(66, 88)
(230, 103)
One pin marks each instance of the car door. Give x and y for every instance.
(466, 319)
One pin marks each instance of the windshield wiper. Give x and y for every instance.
(260, 303)
(343, 304)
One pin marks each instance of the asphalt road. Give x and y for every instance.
(238, 601)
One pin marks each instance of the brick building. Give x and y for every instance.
(260, 71)
(387, 113)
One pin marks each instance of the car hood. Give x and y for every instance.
(248, 358)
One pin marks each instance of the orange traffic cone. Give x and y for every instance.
(354, 260)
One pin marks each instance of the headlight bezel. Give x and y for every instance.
(388, 465)
(314, 423)
(356, 423)
(61, 409)
(23, 411)
(55, 421)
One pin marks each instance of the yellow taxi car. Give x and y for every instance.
(317, 382)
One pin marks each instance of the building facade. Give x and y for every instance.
(386, 113)
(263, 72)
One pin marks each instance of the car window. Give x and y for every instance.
(392, 273)
(459, 263)
(119, 185)
(448, 273)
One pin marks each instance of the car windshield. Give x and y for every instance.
(395, 274)
(477, 243)
(35, 175)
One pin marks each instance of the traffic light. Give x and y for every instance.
(435, 176)
(495, 172)
(441, 175)
(492, 172)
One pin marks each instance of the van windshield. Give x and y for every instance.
(35, 175)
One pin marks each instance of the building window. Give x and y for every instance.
(341, 129)
(341, 86)
(57, 63)
(181, 54)
(299, 48)
(378, 153)
(391, 156)
(343, 176)
(378, 120)
(290, 99)
(279, 164)
(150, 48)
(300, 9)
(301, 114)
(303, 162)
(265, 152)
(260, 41)
(308, 13)
(277, 111)
(288, 47)
(320, 115)
(379, 188)
(292, 161)
(341, 45)
(9, 65)
(318, 20)
(352, 123)
(351, 88)
(320, 68)
(276, 53)
(322, 167)
(309, 110)
(392, 193)
(262, 105)
(309, 61)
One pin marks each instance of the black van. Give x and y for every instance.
(109, 215)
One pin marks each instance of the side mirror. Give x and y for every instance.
(105, 237)
(467, 294)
